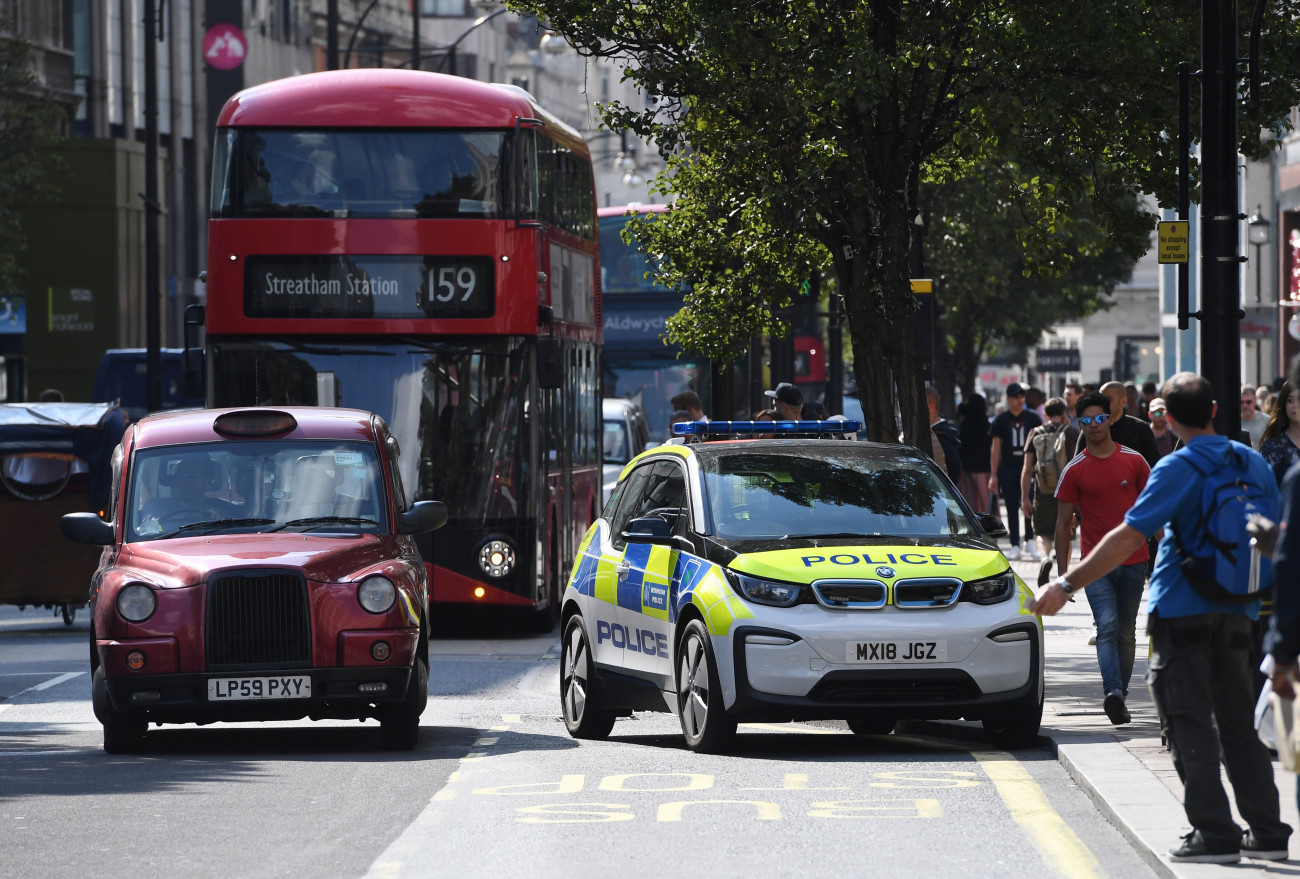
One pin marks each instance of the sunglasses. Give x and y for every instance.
(1156, 412)
(1088, 420)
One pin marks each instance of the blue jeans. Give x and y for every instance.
(1115, 600)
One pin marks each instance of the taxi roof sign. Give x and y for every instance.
(1172, 242)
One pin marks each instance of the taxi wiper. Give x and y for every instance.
(217, 523)
(317, 521)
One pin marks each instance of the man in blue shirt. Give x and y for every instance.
(1199, 673)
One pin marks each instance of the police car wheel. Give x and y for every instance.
(1016, 726)
(872, 724)
(704, 719)
(122, 735)
(584, 717)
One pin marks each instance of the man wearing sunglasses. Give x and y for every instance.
(1103, 483)
(1124, 428)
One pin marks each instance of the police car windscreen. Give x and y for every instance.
(777, 495)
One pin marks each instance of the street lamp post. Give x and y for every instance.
(1257, 231)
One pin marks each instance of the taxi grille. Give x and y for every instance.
(258, 619)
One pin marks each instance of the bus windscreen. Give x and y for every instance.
(360, 173)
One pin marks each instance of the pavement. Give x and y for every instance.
(1126, 770)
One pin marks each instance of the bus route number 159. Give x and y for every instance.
(458, 287)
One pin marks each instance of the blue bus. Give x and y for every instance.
(639, 364)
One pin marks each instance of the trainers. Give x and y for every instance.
(1031, 553)
(1013, 554)
(1092, 642)
(1045, 571)
(1196, 850)
(1116, 710)
(1263, 849)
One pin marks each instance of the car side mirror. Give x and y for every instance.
(657, 532)
(993, 525)
(421, 517)
(86, 528)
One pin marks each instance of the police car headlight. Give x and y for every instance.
(993, 589)
(376, 594)
(136, 602)
(496, 557)
(768, 592)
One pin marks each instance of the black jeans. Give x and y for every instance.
(1200, 677)
(1009, 492)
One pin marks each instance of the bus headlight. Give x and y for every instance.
(376, 594)
(496, 557)
(136, 602)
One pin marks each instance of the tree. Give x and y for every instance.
(1008, 263)
(819, 119)
(27, 125)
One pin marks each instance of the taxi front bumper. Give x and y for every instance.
(779, 682)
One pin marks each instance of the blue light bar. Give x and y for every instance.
(777, 428)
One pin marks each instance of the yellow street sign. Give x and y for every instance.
(922, 285)
(1172, 242)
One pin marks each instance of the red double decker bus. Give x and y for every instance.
(425, 247)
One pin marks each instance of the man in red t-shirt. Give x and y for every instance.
(1102, 482)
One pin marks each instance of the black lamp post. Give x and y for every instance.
(1257, 231)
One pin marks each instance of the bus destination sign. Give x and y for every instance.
(384, 287)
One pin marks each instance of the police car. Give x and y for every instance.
(795, 578)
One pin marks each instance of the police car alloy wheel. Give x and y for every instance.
(583, 716)
(699, 692)
(1016, 726)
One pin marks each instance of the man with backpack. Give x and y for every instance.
(1102, 484)
(943, 434)
(1047, 450)
(1200, 612)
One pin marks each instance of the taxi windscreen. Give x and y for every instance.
(272, 485)
(763, 495)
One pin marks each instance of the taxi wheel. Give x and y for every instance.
(399, 725)
(584, 717)
(704, 720)
(122, 735)
(1016, 726)
(872, 724)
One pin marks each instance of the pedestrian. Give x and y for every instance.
(1034, 401)
(787, 400)
(1073, 391)
(1253, 421)
(973, 434)
(1149, 393)
(1283, 639)
(1126, 429)
(813, 411)
(1199, 667)
(1103, 483)
(1009, 432)
(1047, 452)
(1264, 399)
(1166, 442)
(1133, 402)
(689, 401)
(1280, 443)
(944, 440)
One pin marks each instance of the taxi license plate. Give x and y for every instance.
(233, 689)
(896, 651)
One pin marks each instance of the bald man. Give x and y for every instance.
(1126, 429)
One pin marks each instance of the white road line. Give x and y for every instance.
(52, 682)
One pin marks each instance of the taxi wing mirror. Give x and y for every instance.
(421, 517)
(86, 528)
(993, 525)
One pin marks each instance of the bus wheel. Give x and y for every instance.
(399, 725)
(584, 717)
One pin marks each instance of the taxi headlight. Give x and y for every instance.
(136, 602)
(768, 592)
(376, 594)
(993, 589)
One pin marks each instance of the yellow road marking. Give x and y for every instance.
(1063, 851)
(510, 718)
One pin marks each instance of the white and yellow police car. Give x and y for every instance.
(795, 578)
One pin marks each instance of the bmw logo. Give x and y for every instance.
(884, 571)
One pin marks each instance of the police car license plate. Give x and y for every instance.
(896, 651)
(233, 689)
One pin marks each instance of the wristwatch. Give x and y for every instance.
(1066, 586)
